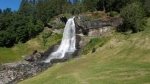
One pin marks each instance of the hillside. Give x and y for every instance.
(124, 59)
(18, 51)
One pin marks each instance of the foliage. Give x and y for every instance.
(113, 13)
(17, 28)
(20, 50)
(133, 18)
(60, 26)
(45, 35)
(89, 5)
(94, 43)
(147, 6)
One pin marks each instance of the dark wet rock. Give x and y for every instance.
(50, 49)
(48, 25)
(63, 19)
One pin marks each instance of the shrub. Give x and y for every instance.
(45, 35)
(93, 44)
(133, 18)
(60, 26)
(113, 13)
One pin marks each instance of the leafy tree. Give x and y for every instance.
(7, 11)
(0, 11)
(133, 17)
(89, 5)
(25, 8)
(147, 6)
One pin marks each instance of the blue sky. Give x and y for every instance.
(13, 4)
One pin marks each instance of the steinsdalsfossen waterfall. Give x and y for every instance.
(68, 42)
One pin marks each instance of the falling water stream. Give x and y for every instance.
(68, 42)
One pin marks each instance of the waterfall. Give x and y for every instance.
(68, 42)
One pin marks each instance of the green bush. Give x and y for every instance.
(60, 26)
(93, 44)
(45, 35)
(113, 14)
(133, 18)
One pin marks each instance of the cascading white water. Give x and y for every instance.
(68, 42)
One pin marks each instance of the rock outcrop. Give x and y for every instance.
(96, 27)
(11, 73)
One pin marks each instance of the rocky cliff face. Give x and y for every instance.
(95, 27)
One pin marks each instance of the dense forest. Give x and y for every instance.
(33, 15)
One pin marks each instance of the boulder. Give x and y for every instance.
(35, 56)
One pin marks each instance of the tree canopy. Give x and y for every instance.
(33, 15)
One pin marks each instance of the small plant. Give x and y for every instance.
(67, 15)
(45, 35)
(113, 14)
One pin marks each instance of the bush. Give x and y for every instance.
(113, 13)
(133, 18)
(60, 26)
(45, 35)
(93, 44)
(147, 6)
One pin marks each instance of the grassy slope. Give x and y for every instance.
(124, 59)
(22, 49)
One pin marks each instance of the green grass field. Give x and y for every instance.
(17, 52)
(124, 59)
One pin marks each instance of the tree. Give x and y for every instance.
(133, 17)
(147, 6)
(7, 11)
(89, 5)
(0, 11)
